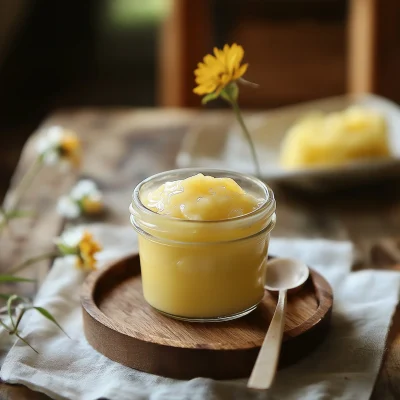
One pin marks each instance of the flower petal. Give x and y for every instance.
(68, 208)
(234, 57)
(241, 71)
(209, 60)
(220, 55)
(71, 237)
(84, 187)
(205, 88)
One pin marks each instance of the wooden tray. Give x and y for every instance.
(121, 325)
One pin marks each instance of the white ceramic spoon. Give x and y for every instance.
(283, 274)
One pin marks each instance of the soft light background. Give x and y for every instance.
(73, 53)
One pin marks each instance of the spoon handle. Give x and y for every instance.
(264, 369)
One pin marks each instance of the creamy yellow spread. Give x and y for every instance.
(201, 198)
(335, 138)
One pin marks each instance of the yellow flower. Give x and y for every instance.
(70, 149)
(216, 76)
(91, 205)
(88, 247)
(216, 72)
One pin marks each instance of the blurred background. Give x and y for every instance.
(142, 53)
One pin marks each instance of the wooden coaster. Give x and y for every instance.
(121, 325)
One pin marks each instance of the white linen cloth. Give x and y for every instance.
(344, 366)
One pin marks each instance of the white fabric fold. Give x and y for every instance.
(344, 366)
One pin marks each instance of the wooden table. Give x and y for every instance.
(124, 146)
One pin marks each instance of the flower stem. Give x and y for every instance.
(26, 342)
(23, 186)
(7, 328)
(246, 133)
(31, 261)
(19, 318)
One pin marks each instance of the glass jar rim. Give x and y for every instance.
(174, 242)
(268, 206)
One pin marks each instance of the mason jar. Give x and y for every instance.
(203, 270)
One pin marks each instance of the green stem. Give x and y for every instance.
(19, 318)
(26, 342)
(9, 309)
(246, 133)
(7, 328)
(31, 261)
(24, 185)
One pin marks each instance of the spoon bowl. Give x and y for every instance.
(285, 274)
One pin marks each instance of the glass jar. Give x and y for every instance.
(203, 270)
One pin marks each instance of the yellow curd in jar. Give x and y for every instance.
(201, 256)
(201, 198)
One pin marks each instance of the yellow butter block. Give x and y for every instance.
(335, 138)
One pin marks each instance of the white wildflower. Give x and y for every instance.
(83, 188)
(59, 146)
(68, 208)
(85, 197)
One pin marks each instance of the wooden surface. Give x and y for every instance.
(120, 324)
(185, 38)
(362, 29)
(373, 47)
(124, 146)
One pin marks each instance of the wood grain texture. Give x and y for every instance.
(185, 38)
(120, 324)
(362, 27)
(123, 146)
(373, 47)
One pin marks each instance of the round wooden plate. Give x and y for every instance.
(121, 325)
